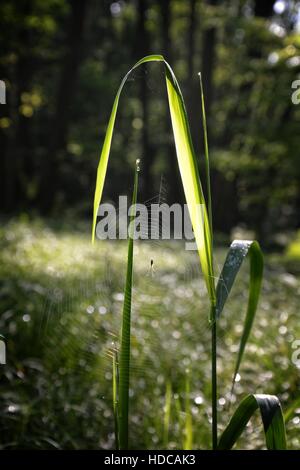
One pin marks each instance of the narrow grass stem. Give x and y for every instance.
(214, 378)
(115, 396)
(213, 307)
(124, 363)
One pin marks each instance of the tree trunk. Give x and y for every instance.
(65, 94)
(142, 49)
(192, 82)
(208, 60)
(191, 39)
(263, 9)
(17, 151)
(171, 171)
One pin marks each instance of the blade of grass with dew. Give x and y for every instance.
(188, 428)
(124, 363)
(238, 251)
(115, 396)
(272, 418)
(167, 414)
(187, 165)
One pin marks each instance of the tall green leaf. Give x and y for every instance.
(238, 251)
(272, 418)
(124, 363)
(206, 154)
(187, 165)
(214, 381)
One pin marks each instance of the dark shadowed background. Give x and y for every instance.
(62, 62)
(61, 298)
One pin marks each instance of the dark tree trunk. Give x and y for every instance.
(207, 69)
(208, 60)
(192, 82)
(9, 176)
(24, 145)
(65, 94)
(191, 39)
(171, 173)
(165, 8)
(17, 151)
(264, 9)
(142, 49)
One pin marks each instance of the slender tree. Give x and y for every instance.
(65, 93)
(142, 49)
(208, 61)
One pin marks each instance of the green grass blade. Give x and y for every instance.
(238, 251)
(179, 414)
(188, 427)
(102, 167)
(214, 381)
(206, 154)
(167, 415)
(184, 416)
(291, 410)
(115, 396)
(124, 364)
(272, 418)
(187, 165)
(191, 181)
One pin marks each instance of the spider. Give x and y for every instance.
(152, 270)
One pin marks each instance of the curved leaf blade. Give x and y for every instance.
(238, 251)
(102, 167)
(272, 419)
(187, 165)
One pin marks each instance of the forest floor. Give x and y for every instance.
(60, 311)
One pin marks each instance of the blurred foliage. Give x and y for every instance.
(262, 153)
(62, 62)
(60, 299)
(61, 302)
(293, 249)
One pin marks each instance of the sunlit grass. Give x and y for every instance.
(218, 287)
(65, 365)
